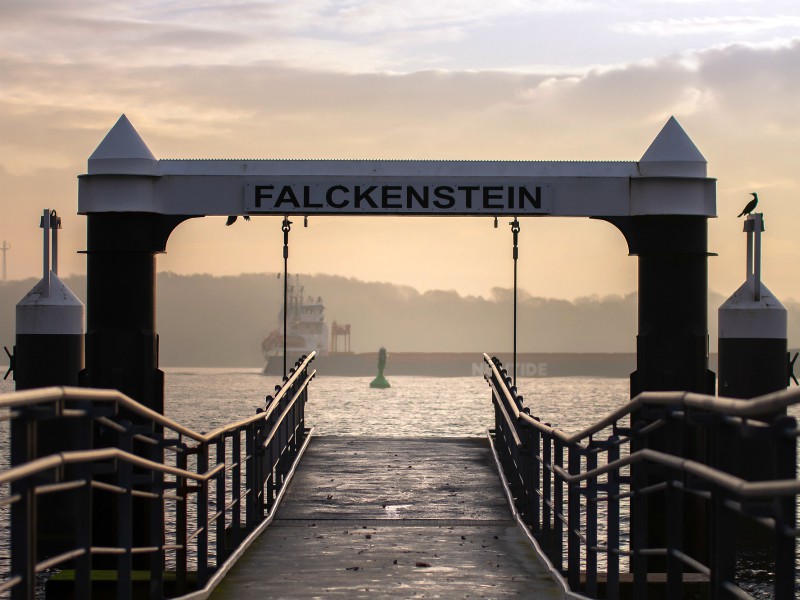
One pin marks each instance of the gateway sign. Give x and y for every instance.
(378, 196)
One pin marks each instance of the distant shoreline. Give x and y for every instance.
(466, 364)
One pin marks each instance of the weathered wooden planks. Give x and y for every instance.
(392, 517)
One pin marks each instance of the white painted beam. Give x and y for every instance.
(124, 176)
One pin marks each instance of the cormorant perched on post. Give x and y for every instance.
(750, 205)
(232, 219)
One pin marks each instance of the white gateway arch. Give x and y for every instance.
(133, 201)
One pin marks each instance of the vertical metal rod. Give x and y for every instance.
(574, 519)
(757, 258)
(535, 452)
(529, 473)
(181, 520)
(23, 511)
(612, 523)
(236, 489)
(677, 430)
(515, 231)
(547, 498)
(54, 226)
(46, 252)
(202, 517)
(271, 461)
(638, 528)
(125, 517)
(220, 529)
(786, 508)
(749, 254)
(83, 533)
(283, 440)
(250, 477)
(5, 247)
(558, 505)
(286, 228)
(591, 523)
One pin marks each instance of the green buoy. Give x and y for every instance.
(380, 381)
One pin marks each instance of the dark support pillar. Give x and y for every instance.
(671, 347)
(122, 347)
(672, 342)
(121, 338)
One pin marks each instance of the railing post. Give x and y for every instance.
(23, 511)
(23, 539)
(536, 473)
(157, 522)
(639, 520)
(250, 479)
(723, 544)
(280, 445)
(612, 527)
(558, 505)
(785, 508)
(83, 533)
(500, 432)
(219, 524)
(271, 457)
(298, 434)
(591, 522)
(528, 484)
(574, 519)
(292, 416)
(302, 410)
(547, 530)
(125, 516)
(181, 519)
(675, 503)
(202, 516)
(236, 488)
(260, 466)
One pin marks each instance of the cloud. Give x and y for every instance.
(737, 102)
(739, 25)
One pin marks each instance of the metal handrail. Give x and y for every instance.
(220, 497)
(66, 393)
(269, 437)
(731, 483)
(762, 405)
(47, 463)
(558, 501)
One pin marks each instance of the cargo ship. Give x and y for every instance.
(308, 331)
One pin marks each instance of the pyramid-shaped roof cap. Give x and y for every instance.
(673, 153)
(123, 152)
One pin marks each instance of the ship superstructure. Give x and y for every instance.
(306, 328)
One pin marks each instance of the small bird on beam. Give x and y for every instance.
(747, 209)
(232, 219)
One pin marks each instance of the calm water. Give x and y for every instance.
(414, 406)
(204, 399)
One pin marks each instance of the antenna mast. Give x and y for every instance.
(5, 248)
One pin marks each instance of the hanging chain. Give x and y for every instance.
(515, 231)
(286, 227)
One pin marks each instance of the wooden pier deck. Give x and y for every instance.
(394, 518)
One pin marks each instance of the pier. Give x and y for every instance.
(107, 497)
(392, 518)
(262, 508)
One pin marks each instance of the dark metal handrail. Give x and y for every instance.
(585, 499)
(763, 405)
(213, 490)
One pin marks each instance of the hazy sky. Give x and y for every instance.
(507, 79)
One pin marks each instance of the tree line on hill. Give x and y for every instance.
(205, 320)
